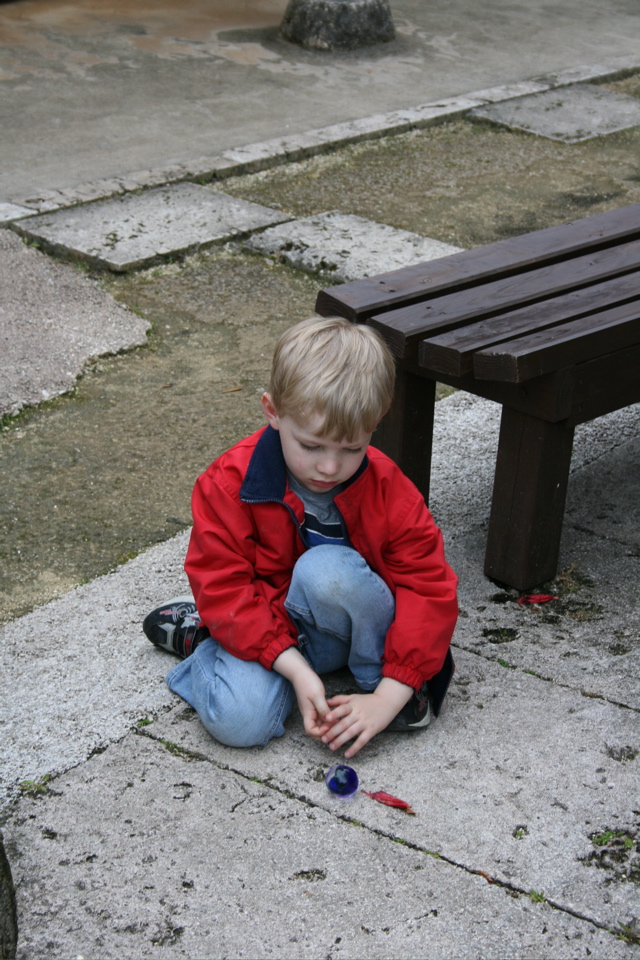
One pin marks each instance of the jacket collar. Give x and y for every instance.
(266, 476)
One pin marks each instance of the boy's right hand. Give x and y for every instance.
(309, 689)
(313, 705)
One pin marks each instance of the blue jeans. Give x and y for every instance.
(342, 610)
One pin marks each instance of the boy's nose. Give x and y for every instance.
(328, 467)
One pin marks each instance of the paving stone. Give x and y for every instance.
(516, 782)
(514, 779)
(135, 230)
(346, 247)
(612, 69)
(53, 320)
(150, 852)
(12, 211)
(510, 90)
(576, 113)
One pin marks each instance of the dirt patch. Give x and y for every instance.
(463, 183)
(92, 479)
(630, 86)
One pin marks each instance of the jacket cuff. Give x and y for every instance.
(277, 646)
(412, 678)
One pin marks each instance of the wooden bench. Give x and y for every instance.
(546, 324)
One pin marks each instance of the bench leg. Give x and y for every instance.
(406, 432)
(529, 491)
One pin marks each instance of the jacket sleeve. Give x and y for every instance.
(425, 593)
(243, 613)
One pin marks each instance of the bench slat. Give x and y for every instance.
(453, 352)
(561, 346)
(360, 299)
(404, 328)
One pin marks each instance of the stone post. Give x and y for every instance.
(337, 24)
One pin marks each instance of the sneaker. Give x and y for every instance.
(416, 714)
(175, 626)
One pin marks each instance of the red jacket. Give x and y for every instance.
(246, 539)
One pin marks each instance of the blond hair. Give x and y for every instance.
(342, 371)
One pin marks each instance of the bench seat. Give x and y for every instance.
(546, 324)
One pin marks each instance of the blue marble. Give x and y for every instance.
(342, 780)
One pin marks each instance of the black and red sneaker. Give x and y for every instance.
(415, 715)
(175, 626)
(427, 701)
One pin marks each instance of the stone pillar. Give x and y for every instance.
(337, 24)
(8, 915)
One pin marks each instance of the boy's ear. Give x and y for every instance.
(270, 411)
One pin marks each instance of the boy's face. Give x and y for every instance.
(317, 462)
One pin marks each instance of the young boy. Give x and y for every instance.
(312, 551)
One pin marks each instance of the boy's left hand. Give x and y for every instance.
(363, 715)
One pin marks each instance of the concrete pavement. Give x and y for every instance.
(53, 321)
(133, 834)
(151, 840)
(110, 90)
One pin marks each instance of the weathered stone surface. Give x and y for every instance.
(135, 230)
(337, 24)
(13, 211)
(53, 321)
(215, 83)
(571, 114)
(508, 751)
(346, 247)
(154, 852)
(8, 918)
(266, 154)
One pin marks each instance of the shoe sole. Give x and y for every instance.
(395, 727)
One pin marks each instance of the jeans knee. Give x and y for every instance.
(232, 734)
(240, 703)
(243, 710)
(235, 721)
(326, 572)
(339, 576)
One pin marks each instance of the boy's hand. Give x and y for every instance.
(309, 690)
(363, 715)
(313, 705)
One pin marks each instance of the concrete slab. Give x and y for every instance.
(149, 851)
(14, 211)
(589, 639)
(54, 320)
(264, 155)
(509, 752)
(345, 247)
(137, 230)
(139, 88)
(575, 113)
(87, 641)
